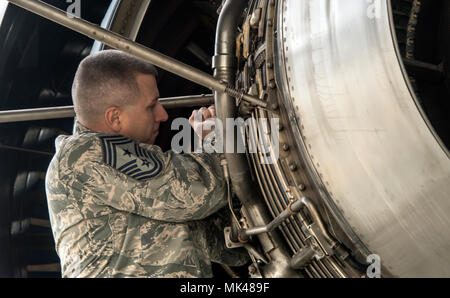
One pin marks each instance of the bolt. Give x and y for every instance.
(251, 269)
(302, 186)
(274, 106)
(285, 147)
(269, 65)
(272, 84)
(270, 23)
(293, 166)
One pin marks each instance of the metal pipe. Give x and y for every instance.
(224, 65)
(36, 114)
(303, 257)
(187, 101)
(290, 210)
(117, 41)
(318, 220)
(14, 148)
(68, 111)
(424, 65)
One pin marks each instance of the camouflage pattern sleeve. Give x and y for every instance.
(143, 180)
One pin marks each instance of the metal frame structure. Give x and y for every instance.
(119, 42)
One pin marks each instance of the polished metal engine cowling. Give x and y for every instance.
(381, 169)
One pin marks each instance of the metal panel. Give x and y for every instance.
(3, 6)
(365, 135)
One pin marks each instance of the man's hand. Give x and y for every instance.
(202, 121)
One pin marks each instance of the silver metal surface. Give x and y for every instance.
(126, 45)
(36, 114)
(68, 111)
(370, 147)
(189, 101)
(3, 7)
(303, 257)
(124, 18)
(285, 214)
(135, 19)
(107, 22)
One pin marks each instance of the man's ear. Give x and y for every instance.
(112, 118)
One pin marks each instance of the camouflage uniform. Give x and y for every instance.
(119, 208)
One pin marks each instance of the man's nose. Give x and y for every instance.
(161, 114)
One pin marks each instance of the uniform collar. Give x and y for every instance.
(79, 128)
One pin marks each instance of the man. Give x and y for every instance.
(119, 206)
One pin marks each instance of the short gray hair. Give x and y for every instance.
(104, 79)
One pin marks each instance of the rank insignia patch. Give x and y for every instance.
(128, 157)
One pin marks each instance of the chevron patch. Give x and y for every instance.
(128, 157)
